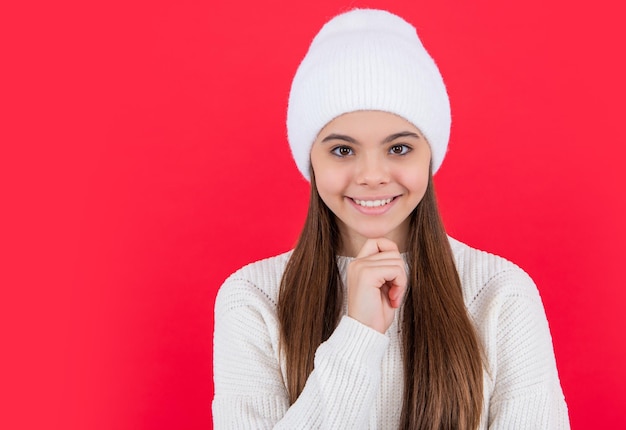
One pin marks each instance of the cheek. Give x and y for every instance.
(327, 188)
(416, 183)
(329, 181)
(415, 178)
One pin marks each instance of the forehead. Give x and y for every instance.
(367, 123)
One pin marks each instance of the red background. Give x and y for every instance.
(143, 159)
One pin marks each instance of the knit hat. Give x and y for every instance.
(367, 59)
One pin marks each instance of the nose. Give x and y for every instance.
(372, 171)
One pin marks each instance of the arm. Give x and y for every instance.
(527, 392)
(249, 388)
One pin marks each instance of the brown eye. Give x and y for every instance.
(399, 149)
(342, 151)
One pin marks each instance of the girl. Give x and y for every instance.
(377, 319)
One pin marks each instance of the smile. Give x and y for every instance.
(372, 203)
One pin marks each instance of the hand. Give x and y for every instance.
(377, 282)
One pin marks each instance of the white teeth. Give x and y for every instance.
(372, 203)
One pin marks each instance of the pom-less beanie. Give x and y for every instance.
(367, 59)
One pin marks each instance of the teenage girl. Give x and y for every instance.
(377, 319)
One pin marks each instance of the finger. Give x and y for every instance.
(393, 295)
(376, 245)
(381, 274)
(385, 244)
(384, 290)
(396, 295)
(372, 263)
(370, 247)
(376, 273)
(385, 255)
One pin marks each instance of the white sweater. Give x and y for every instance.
(357, 382)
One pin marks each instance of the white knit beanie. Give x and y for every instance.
(367, 60)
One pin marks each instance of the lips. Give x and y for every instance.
(373, 205)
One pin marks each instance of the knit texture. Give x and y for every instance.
(367, 60)
(357, 382)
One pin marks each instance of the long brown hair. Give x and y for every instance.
(443, 386)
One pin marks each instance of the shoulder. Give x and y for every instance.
(489, 277)
(510, 319)
(257, 283)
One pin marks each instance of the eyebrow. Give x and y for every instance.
(399, 135)
(388, 139)
(334, 136)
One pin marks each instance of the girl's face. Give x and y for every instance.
(371, 169)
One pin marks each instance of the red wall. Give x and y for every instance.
(143, 159)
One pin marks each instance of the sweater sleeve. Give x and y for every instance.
(527, 392)
(250, 392)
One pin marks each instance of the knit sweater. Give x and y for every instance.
(357, 381)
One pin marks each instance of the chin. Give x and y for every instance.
(375, 233)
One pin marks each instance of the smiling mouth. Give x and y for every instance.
(373, 203)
